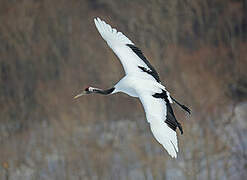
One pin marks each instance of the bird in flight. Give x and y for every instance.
(142, 81)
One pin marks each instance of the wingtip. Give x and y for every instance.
(173, 155)
(172, 150)
(109, 34)
(97, 19)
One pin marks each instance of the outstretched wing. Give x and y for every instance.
(130, 56)
(162, 121)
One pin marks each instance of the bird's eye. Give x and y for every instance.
(87, 89)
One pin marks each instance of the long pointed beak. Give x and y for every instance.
(79, 95)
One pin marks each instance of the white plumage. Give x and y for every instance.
(136, 85)
(142, 81)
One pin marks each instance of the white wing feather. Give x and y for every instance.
(155, 109)
(117, 42)
(111, 35)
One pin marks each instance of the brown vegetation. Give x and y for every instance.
(49, 50)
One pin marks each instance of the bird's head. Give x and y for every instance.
(87, 90)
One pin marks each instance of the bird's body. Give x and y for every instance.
(134, 84)
(142, 81)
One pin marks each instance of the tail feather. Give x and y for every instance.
(182, 106)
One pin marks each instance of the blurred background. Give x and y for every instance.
(50, 50)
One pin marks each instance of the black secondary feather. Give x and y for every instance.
(171, 120)
(139, 53)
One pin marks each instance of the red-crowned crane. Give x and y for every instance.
(142, 81)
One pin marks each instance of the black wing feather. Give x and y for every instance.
(171, 120)
(154, 73)
(139, 53)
